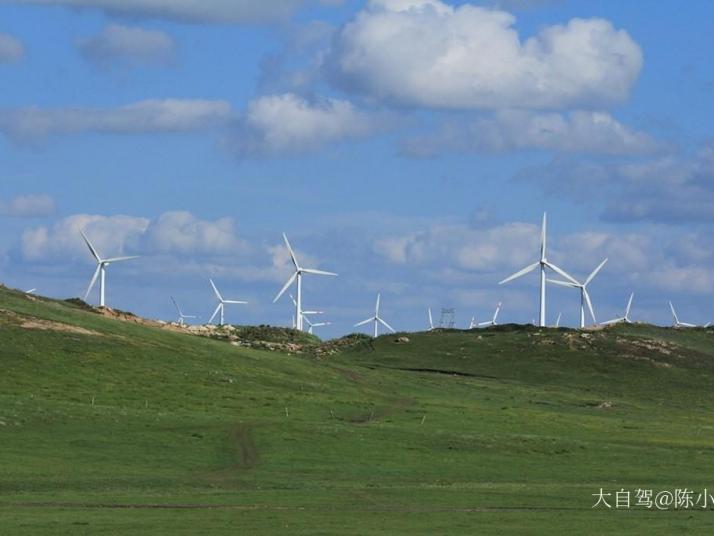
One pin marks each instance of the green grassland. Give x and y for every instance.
(111, 427)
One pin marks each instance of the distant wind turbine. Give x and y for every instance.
(222, 303)
(473, 324)
(297, 276)
(625, 319)
(584, 295)
(182, 317)
(101, 270)
(312, 325)
(677, 323)
(377, 320)
(492, 322)
(543, 263)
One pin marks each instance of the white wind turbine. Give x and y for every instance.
(677, 323)
(297, 275)
(222, 303)
(473, 324)
(625, 319)
(543, 263)
(377, 320)
(312, 325)
(182, 317)
(305, 313)
(101, 270)
(584, 295)
(492, 322)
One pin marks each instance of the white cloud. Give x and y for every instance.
(111, 235)
(149, 116)
(427, 53)
(195, 11)
(578, 131)
(11, 50)
(183, 233)
(172, 234)
(129, 45)
(289, 123)
(28, 206)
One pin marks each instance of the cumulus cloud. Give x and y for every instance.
(289, 123)
(174, 234)
(28, 206)
(11, 50)
(128, 45)
(574, 132)
(149, 116)
(428, 53)
(193, 11)
(670, 188)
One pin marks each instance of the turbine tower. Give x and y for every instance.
(377, 320)
(181, 316)
(222, 303)
(543, 263)
(101, 270)
(677, 323)
(584, 296)
(297, 276)
(492, 322)
(625, 319)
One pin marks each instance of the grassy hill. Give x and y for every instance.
(112, 427)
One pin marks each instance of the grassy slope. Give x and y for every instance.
(381, 441)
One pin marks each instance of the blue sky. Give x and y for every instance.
(410, 145)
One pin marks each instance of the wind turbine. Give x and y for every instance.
(101, 270)
(222, 303)
(182, 316)
(312, 325)
(473, 324)
(305, 313)
(377, 320)
(543, 263)
(297, 275)
(584, 296)
(492, 322)
(677, 323)
(626, 318)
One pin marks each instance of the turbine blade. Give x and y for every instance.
(431, 323)
(218, 308)
(613, 321)
(562, 273)
(390, 328)
(292, 253)
(595, 272)
(90, 246)
(176, 305)
(317, 272)
(119, 259)
(94, 280)
(674, 313)
(562, 283)
(520, 273)
(590, 304)
(376, 308)
(215, 289)
(495, 315)
(629, 306)
(364, 322)
(286, 286)
(292, 299)
(543, 236)
(235, 302)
